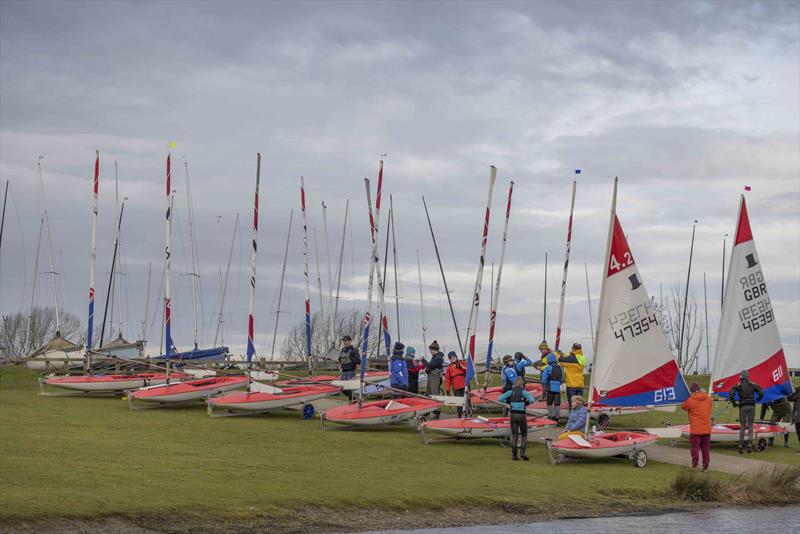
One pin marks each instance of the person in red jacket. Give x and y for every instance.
(698, 406)
(455, 377)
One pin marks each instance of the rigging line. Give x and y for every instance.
(24, 251)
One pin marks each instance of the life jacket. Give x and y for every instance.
(556, 373)
(516, 398)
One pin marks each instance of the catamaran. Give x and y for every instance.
(633, 362)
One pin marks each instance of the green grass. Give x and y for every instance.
(92, 457)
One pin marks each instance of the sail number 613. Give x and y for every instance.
(666, 394)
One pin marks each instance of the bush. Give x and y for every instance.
(697, 487)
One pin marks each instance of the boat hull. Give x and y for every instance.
(264, 402)
(190, 390)
(729, 433)
(110, 383)
(605, 445)
(480, 427)
(381, 412)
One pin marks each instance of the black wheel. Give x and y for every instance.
(308, 411)
(640, 458)
(761, 444)
(603, 420)
(420, 419)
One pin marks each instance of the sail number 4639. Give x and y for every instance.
(663, 395)
(615, 265)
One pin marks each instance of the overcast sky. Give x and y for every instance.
(685, 102)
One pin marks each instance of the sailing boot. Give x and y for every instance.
(514, 454)
(741, 447)
(522, 454)
(749, 447)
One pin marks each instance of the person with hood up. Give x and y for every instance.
(509, 373)
(795, 397)
(434, 369)
(455, 377)
(520, 363)
(398, 368)
(745, 395)
(577, 417)
(551, 383)
(517, 399)
(699, 406)
(573, 364)
(414, 368)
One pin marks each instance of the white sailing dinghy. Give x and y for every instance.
(634, 365)
(748, 336)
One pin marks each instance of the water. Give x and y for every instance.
(784, 520)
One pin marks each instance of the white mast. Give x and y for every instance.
(305, 272)
(53, 272)
(566, 268)
(192, 274)
(329, 335)
(167, 272)
(93, 252)
(339, 272)
(422, 305)
(496, 292)
(319, 289)
(280, 289)
(251, 349)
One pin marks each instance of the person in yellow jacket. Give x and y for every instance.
(573, 364)
(544, 350)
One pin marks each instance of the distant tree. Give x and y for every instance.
(17, 341)
(347, 323)
(670, 313)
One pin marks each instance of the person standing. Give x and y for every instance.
(795, 397)
(745, 395)
(520, 363)
(698, 406)
(414, 368)
(544, 352)
(517, 398)
(455, 377)
(434, 368)
(348, 362)
(551, 382)
(398, 368)
(509, 373)
(781, 412)
(573, 364)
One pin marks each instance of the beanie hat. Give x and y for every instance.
(411, 351)
(452, 354)
(544, 346)
(434, 345)
(398, 349)
(347, 338)
(694, 387)
(518, 355)
(745, 374)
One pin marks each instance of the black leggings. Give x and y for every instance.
(519, 428)
(797, 430)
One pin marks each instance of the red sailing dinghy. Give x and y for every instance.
(108, 383)
(479, 427)
(267, 401)
(191, 390)
(633, 366)
(381, 412)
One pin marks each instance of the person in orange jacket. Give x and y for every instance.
(698, 406)
(455, 377)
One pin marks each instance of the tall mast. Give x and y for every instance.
(319, 288)
(93, 251)
(192, 274)
(544, 304)
(476, 298)
(251, 349)
(394, 256)
(722, 279)
(280, 290)
(496, 293)
(220, 333)
(600, 317)
(339, 272)
(589, 303)
(381, 285)
(566, 268)
(382, 279)
(686, 301)
(305, 272)
(422, 305)
(111, 276)
(33, 284)
(444, 279)
(53, 272)
(167, 272)
(329, 340)
(116, 295)
(705, 305)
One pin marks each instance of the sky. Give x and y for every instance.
(686, 102)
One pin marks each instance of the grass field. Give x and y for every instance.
(92, 457)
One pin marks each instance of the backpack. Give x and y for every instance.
(556, 373)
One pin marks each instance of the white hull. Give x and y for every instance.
(479, 432)
(188, 395)
(118, 385)
(603, 452)
(55, 360)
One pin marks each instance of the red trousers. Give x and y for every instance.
(700, 443)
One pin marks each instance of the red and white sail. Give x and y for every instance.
(633, 365)
(748, 337)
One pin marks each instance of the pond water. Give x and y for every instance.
(784, 519)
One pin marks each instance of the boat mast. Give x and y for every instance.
(705, 305)
(52, 272)
(33, 288)
(147, 301)
(600, 317)
(422, 305)
(251, 349)
(192, 274)
(566, 268)
(444, 279)
(339, 272)
(220, 333)
(329, 341)
(544, 320)
(305, 273)
(589, 303)
(373, 226)
(686, 301)
(110, 293)
(319, 288)
(167, 273)
(472, 326)
(394, 256)
(280, 289)
(93, 254)
(496, 293)
(381, 282)
(116, 288)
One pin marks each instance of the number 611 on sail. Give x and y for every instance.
(666, 394)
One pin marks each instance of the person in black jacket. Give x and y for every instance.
(745, 395)
(433, 369)
(795, 397)
(348, 362)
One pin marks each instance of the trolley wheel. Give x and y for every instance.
(762, 444)
(308, 411)
(640, 458)
(603, 420)
(420, 419)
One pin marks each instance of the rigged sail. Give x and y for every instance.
(748, 335)
(634, 365)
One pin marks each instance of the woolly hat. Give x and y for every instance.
(452, 354)
(694, 387)
(398, 349)
(411, 351)
(518, 355)
(434, 345)
(745, 374)
(544, 346)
